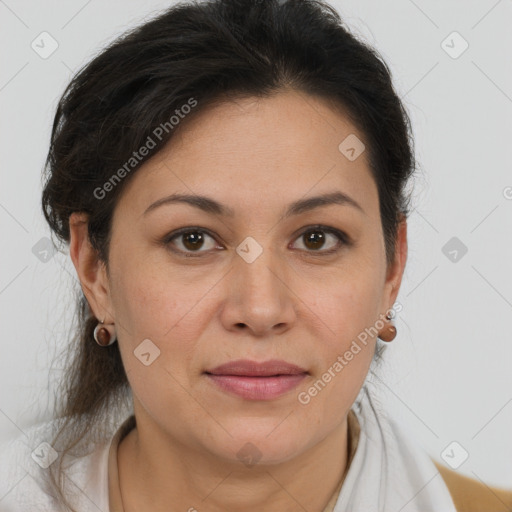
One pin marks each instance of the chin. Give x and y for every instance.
(266, 445)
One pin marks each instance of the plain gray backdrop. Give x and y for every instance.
(448, 374)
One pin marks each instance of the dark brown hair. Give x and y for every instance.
(201, 52)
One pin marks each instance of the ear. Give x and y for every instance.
(91, 271)
(396, 269)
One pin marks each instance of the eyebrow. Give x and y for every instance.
(212, 206)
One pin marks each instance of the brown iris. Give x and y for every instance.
(314, 239)
(193, 240)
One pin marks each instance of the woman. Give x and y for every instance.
(230, 178)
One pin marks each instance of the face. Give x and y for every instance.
(250, 279)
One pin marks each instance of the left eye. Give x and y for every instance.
(315, 239)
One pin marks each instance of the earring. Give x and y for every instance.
(390, 332)
(104, 335)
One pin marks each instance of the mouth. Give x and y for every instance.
(257, 381)
(247, 368)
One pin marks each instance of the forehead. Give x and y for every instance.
(257, 151)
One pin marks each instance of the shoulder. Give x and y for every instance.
(471, 495)
(27, 463)
(22, 463)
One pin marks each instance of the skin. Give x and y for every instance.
(255, 156)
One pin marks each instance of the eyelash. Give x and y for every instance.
(344, 239)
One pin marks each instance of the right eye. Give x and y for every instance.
(189, 241)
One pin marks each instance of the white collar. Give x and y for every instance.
(390, 471)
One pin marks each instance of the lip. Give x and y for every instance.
(257, 381)
(247, 368)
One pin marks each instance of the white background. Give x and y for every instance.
(448, 374)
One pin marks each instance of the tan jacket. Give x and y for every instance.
(471, 495)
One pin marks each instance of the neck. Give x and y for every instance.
(157, 472)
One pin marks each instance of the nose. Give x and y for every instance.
(259, 298)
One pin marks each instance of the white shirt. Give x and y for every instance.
(23, 474)
(390, 471)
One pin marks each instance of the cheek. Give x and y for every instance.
(159, 329)
(348, 312)
(345, 354)
(149, 296)
(154, 302)
(349, 302)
